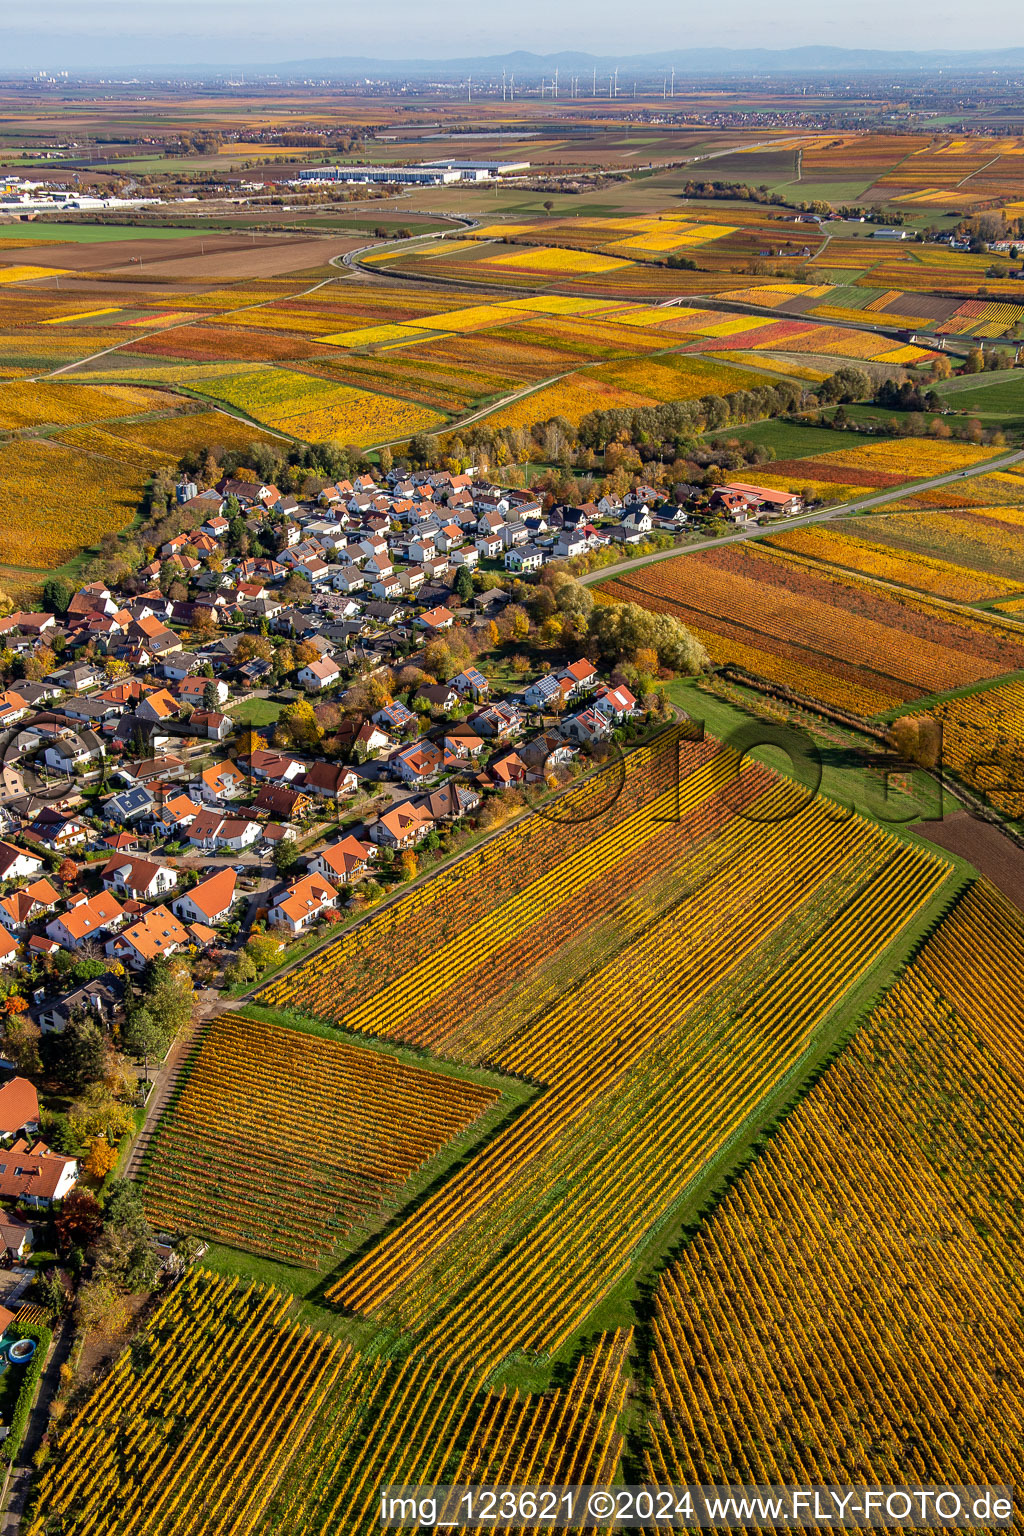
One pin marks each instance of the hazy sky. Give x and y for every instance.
(153, 34)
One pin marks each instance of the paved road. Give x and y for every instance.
(822, 515)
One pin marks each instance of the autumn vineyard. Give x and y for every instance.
(654, 968)
(545, 659)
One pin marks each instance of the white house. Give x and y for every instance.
(86, 921)
(320, 674)
(302, 903)
(16, 864)
(139, 878)
(210, 901)
(341, 860)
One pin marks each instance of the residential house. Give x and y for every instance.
(158, 707)
(8, 948)
(213, 832)
(128, 807)
(617, 703)
(330, 781)
(19, 1109)
(442, 696)
(587, 727)
(321, 674)
(208, 902)
(401, 827)
(302, 903)
(153, 936)
(488, 545)
(417, 763)
(342, 860)
(59, 832)
(582, 677)
(86, 921)
(508, 772)
(211, 724)
(24, 906)
(37, 1176)
(448, 802)
(101, 997)
(16, 864)
(222, 782)
(544, 693)
(526, 557)
(496, 722)
(435, 620)
(139, 878)
(372, 742)
(471, 684)
(281, 802)
(395, 717)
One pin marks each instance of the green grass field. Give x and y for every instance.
(86, 233)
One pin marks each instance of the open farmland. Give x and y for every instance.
(362, 1124)
(830, 1241)
(983, 743)
(838, 637)
(761, 925)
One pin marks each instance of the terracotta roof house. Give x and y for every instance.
(8, 948)
(86, 921)
(302, 903)
(19, 1108)
(320, 674)
(222, 781)
(24, 906)
(210, 901)
(156, 933)
(330, 780)
(280, 801)
(342, 860)
(436, 619)
(401, 827)
(417, 762)
(38, 1176)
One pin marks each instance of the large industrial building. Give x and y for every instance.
(432, 173)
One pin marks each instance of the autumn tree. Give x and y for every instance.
(100, 1158)
(78, 1222)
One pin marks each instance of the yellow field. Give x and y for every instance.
(26, 274)
(551, 259)
(59, 404)
(56, 499)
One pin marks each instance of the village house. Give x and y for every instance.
(208, 902)
(302, 903)
(37, 1176)
(213, 832)
(221, 782)
(19, 1109)
(139, 878)
(401, 827)
(341, 860)
(16, 864)
(153, 936)
(86, 921)
(321, 674)
(330, 781)
(417, 762)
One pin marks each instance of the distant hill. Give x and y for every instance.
(689, 61)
